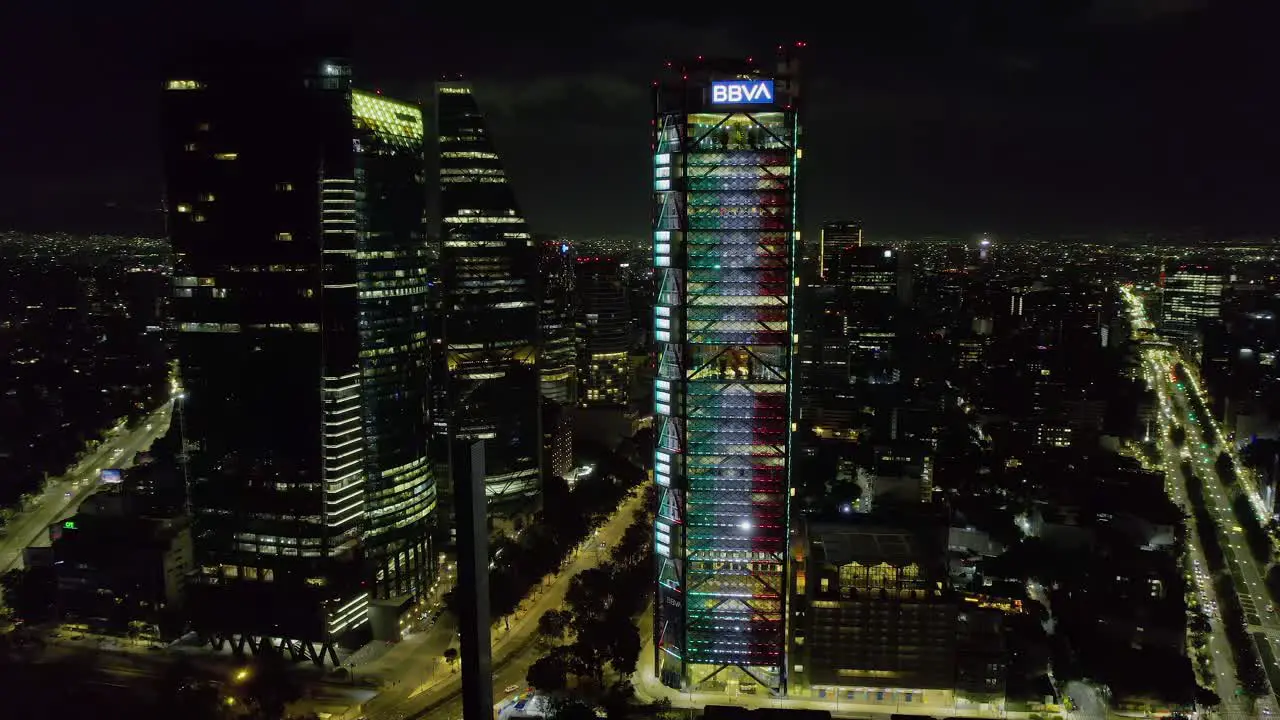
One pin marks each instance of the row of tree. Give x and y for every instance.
(597, 628)
(1248, 668)
(1206, 526)
(569, 516)
(1259, 540)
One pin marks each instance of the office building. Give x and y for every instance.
(1191, 295)
(557, 358)
(834, 238)
(604, 334)
(865, 280)
(489, 306)
(299, 305)
(726, 153)
(877, 623)
(120, 573)
(557, 439)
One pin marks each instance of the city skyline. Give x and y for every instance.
(933, 122)
(643, 366)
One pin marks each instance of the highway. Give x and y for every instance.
(63, 496)
(418, 685)
(1247, 576)
(1225, 682)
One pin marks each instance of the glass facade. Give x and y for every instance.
(604, 334)
(391, 255)
(557, 358)
(489, 304)
(725, 234)
(297, 416)
(1191, 295)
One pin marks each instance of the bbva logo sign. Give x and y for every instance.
(741, 92)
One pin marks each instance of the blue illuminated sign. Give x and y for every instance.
(741, 92)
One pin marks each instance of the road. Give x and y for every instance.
(63, 496)
(1158, 363)
(1221, 659)
(417, 684)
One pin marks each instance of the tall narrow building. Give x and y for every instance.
(726, 153)
(1191, 295)
(557, 358)
(297, 287)
(489, 305)
(603, 334)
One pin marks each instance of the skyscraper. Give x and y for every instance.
(835, 237)
(726, 153)
(489, 273)
(557, 358)
(1192, 294)
(865, 280)
(297, 302)
(604, 334)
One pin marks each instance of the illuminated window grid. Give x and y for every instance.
(726, 313)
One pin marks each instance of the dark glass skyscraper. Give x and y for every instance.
(557, 358)
(390, 195)
(298, 273)
(490, 310)
(726, 153)
(604, 334)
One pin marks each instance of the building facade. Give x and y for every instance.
(298, 332)
(603, 334)
(726, 153)
(489, 305)
(1192, 294)
(557, 358)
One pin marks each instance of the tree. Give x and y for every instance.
(623, 649)
(548, 673)
(589, 594)
(1178, 435)
(30, 593)
(451, 655)
(1207, 698)
(563, 708)
(617, 699)
(554, 624)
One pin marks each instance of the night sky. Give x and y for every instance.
(948, 117)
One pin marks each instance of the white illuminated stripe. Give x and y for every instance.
(662, 159)
(663, 311)
(344, 617)
(663, 384)
(662, 261)
(662, 235)
(662, 550)
(663, 409)
(663, 396)
(662, 480)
